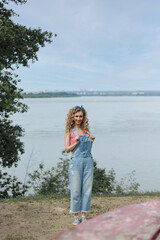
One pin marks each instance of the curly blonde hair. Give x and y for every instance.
(70, 119)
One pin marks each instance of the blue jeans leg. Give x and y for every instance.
(87, 185)
(75, 189)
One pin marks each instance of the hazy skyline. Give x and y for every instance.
(101, 45)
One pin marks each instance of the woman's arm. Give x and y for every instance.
(69, 147)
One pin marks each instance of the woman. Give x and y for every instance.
(78, 141)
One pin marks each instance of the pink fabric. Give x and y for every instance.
(72, 138)
(138, 221)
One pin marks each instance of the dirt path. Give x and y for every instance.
(44, 219)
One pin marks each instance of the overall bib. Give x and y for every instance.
(81, 175)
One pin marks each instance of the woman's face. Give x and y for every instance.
(78, 118)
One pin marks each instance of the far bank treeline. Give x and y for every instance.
(89, 93)
(49, 95)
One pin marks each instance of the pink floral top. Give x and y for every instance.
(72, 138)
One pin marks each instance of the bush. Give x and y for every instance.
(56, 180)
(103, 183)
(127, 185)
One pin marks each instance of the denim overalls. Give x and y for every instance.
(81, 175)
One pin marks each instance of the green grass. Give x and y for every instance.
(35, 197)
(55, 196)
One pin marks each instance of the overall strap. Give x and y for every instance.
(75, 131)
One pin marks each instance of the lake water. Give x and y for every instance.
(127, 131)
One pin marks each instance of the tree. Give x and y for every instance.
(18, 45)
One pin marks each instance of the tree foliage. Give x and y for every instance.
(18, 46)
(10, 186)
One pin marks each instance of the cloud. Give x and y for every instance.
(116, 42)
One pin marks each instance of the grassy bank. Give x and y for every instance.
(58, 196)
(39, 217)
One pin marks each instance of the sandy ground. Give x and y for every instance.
(44, 219)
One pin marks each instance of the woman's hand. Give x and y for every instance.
(77, 138)
(92, 138)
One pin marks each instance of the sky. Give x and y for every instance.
(107, 45)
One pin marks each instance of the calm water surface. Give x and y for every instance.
(127, 131)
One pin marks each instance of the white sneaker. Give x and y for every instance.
(76, 220)
(83, 219)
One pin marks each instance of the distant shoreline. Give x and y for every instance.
(90, 94)
(48, 95)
